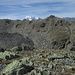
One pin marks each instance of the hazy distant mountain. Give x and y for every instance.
(69, 18)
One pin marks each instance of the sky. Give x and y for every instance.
(18, 9)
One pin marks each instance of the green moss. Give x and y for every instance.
(6, 53)
(12, 66)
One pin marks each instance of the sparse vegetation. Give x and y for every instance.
(42, 62)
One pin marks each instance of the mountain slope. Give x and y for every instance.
(49, 33)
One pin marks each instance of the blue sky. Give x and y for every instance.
(18, 9)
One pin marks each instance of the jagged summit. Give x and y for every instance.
(30, 18)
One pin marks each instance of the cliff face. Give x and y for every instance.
(49, 33)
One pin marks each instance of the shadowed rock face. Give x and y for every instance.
(9, 40)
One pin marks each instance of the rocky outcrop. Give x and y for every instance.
(2, 67)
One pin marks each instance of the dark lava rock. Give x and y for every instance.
(2, 50)
(2, 67)
(72, 49)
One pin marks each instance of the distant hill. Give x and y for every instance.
(49, 33)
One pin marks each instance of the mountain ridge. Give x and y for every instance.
(52, 32)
